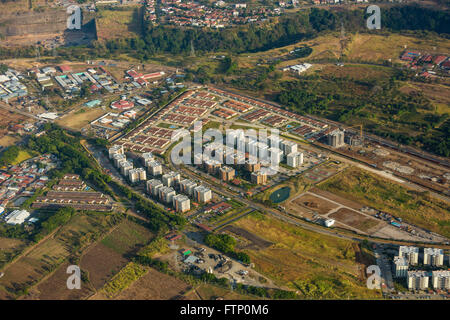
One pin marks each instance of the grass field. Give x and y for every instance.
(81, 119)
(318, 266)
(377, 48)
(153, 285)
(128, 236)
(114, 24)
(22, 156)
(413, 207)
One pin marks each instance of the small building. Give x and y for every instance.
(329, 222)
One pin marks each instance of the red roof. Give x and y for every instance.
(65, 68)
(439, 59)
(122, 104)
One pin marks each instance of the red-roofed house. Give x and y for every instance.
(65, 68)
(122, 104)
(439, 59)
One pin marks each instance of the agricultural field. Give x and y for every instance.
(54, 287)
(317, 266)
(7, 141)
(377, 48)
(52, 251)
(111, 254)
(153, 285)
(413, 207)
(120, 23)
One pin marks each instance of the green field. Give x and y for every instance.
(127, 236)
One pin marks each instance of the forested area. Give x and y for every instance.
(385, 110)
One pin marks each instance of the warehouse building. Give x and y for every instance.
(17, 217)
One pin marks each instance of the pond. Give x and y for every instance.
(280, 195)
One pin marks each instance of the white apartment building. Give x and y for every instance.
(153, 186)
(166, 194)
(418, 280)
(181, 203)
(125, 167)
(294, 159)
(433, 257)
(411, 254)
(116, 149)
(401, 267)
(137, 174)
(147, 157)
(118, 157)
(169, 179)
(202, 194)
(441, 279)
(154, 168)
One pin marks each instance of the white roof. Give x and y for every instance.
(48, 115)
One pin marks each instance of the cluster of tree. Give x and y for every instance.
(225, 243)
(265, 293)
(416, 18)
(9, 155)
